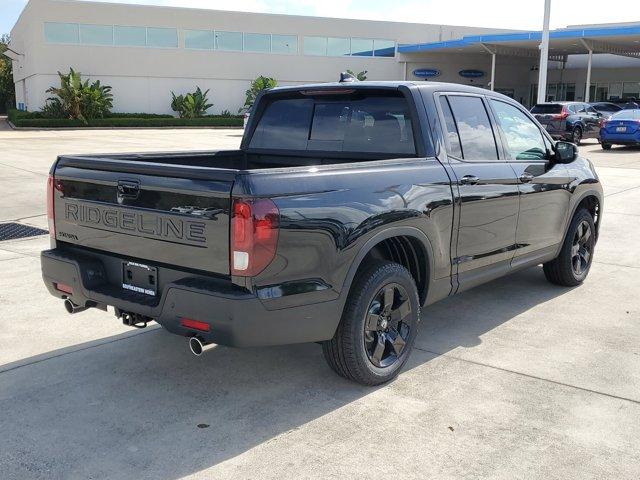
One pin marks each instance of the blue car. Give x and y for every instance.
(622, 128)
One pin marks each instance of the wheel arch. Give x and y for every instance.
(592, 201)
(407, 246)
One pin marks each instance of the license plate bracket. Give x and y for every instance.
(140, 278)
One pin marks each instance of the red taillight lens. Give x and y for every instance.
(50, 212)
(254, 235)
(562, 115)
(52, 186)
(195, 324)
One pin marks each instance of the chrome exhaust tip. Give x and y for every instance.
(198, 347)
(71, 307)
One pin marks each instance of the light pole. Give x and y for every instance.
(544, 54)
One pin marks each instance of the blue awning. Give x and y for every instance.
(627, 37)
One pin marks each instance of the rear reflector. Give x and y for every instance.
(195, 324)
(61, 287)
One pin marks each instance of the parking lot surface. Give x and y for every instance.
(515, 379)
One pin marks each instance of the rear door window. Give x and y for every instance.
(546, 108)
(369, 124)
(474, 128)
(453, 138)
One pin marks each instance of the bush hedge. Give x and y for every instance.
(36, 120)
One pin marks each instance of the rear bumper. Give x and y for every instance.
(620, 139)
(237, 317)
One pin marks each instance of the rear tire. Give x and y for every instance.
(378, 326)
(571, 266)
(606, 146)
(576, 135)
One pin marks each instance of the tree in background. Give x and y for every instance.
(191, 105)
(77, 99)
(7, 87)
(258, 85)
(362, 76)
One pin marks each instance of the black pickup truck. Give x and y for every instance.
(347, 208)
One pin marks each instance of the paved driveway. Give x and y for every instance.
(515, 379)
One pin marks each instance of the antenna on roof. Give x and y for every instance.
(346, 77)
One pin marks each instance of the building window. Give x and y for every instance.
(284, 44)
(228, 41)
(315, 45)
(384, 48)
(257, 42)
(61, 32)
(361, 47)
(338, 47)
(162, 37)
(96, 34)
(631, 90)
(198, 39)
(130, 36)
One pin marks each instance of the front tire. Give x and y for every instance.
(378, 326)
(571, 266)
(606, 146)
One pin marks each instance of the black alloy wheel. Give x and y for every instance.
(576, 135)
(581, 249)
(571, 267)
(387, 325)
(378, 327)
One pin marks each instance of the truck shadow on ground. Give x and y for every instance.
(141, 406)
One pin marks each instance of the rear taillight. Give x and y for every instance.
(50, 212)
(254, 235)
(52, 186)
(562, 115)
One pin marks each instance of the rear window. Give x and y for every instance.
(547, 108)
(626, 115)
(366, 124)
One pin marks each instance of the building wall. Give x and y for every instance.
(143, 78)
(512, 73)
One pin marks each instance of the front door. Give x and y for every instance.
(487, 191)
(543, 185)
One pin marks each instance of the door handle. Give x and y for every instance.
(469, 180)
(526, 177)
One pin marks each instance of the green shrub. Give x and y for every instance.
(258, 85)
(52, 109)
(210, 121)
(80, 100)
(362, 76)
(138, 115)
(191, 105)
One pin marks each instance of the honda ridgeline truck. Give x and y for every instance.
(347, 209)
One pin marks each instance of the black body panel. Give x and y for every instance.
(171, 211)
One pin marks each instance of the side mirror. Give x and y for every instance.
(566, 152)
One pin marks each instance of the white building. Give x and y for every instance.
(146, 52)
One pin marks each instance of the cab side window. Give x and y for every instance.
(477, 140)
(524, 139)
(453, 138)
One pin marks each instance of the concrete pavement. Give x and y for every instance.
(515, 379)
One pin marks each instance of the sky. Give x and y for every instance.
(508, 14)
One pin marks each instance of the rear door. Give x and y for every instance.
(487, 190)
(592, 117)
(156, 218)
(544, 195)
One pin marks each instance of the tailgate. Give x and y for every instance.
(156, 218)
